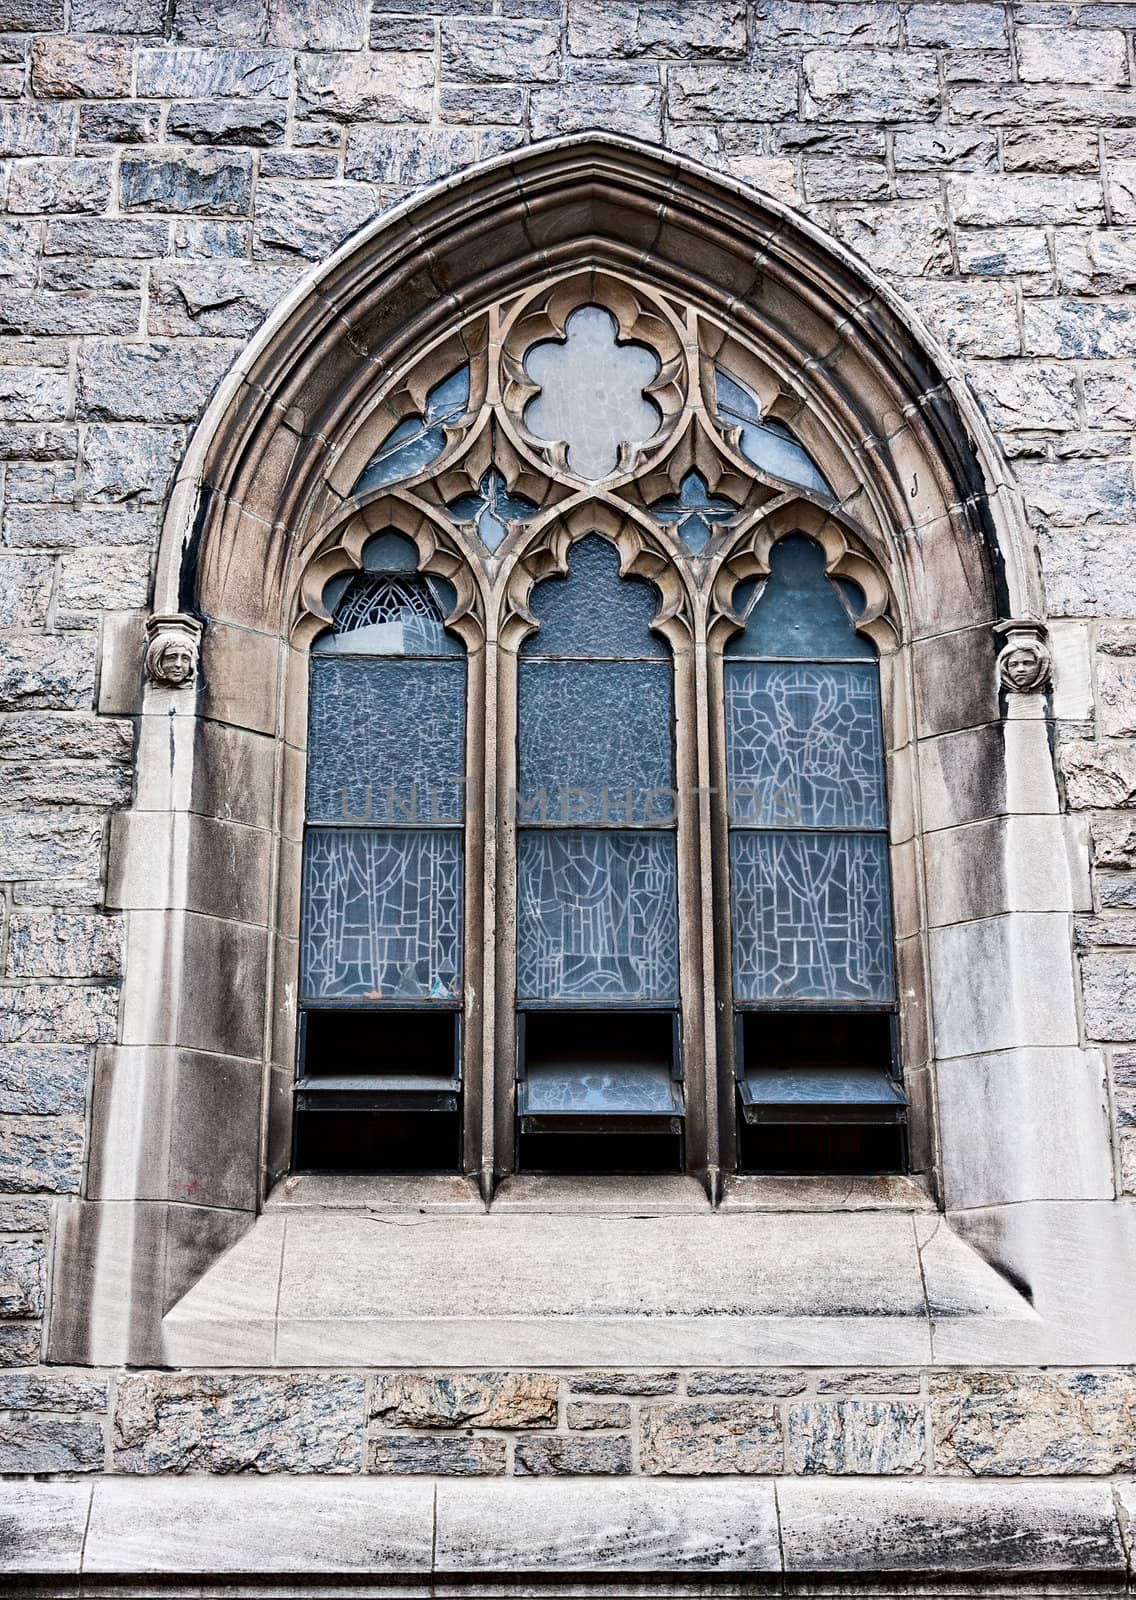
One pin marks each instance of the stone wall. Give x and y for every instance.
(171, 168)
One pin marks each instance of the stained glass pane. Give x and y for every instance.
(797, 612)
(596, 916)
(591, 392)
(693, 511)
(492, 508)
(811, 916)
(595, 741)
(386, 741)
(587, 1091)
(382, 914)
(768, 444)
(417, 441)
(804, 747)
(386, 616)
(593, 611)
(827, 1086)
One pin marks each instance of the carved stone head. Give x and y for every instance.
(1025, 664)
(172, 650)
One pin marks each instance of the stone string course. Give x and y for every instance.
(170, 169)
(537, 1424)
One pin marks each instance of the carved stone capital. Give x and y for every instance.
(1025, 663)
(173, 643)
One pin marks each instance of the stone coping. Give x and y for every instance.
(298, 1536)
(561, 1289)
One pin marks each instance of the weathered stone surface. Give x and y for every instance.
(1028, 1424)
(36, 130)
(1114, 839)
(883, 1381)
(103, 580)
(407, 157)
(487, 1399)
(906, 238)
(711, 1436)
(547, 1454)
(51, 183)
(709, 93)
(65, 68)
(45, 1079)
(774, 1381)
(117, 16)
(48, 315)
(55, 1444)
(52, 1391)
(1099, 774)
(212, 74)
(23, 1276)
(974, 319)
(19, 16)
(235, 122)
(1073, 493)
(25, 590)
(1110, 397)
(52, 1013)
(1050, 150)
(633, 109)
(870, 86)
(129, 464)
(33, 394)
(24, 1215)
(499, 50)
(931, 149)
(1027, 394)
(310, 219)
(1116, 695)
(228, 298)
(47, 670)
(41, 1154)
(1108, 983)
(590, 1415)
(202, 22)
(1075, 329)
(214, 183)
(46, 944)
(19, 1344)
(354, 88)
(51, 844)
(120, 122)
(971, 27)
(856, 1436)
(26, 734)
(56, 528)
(989, 200)
(208, 1422)
(1072, 55)
(311, 25)
(805, 24)
(155, 382)
(1089, 572)
(624, 1382)
(450, 1456)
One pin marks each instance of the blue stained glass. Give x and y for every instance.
(593, 611)
(826, 1086)
(383, 616)
(768, 444)
(811, 916)
(804, 745)
(382, 914)
(386, 741)
(492, 508)
(580, 1090)
(797, 613)
(595, 742)
(694, 511)
(390, 553)
(596, 916)
(417, 441)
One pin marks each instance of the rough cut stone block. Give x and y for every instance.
(882, 1382)
(931, 149)
(313, 25)
(978, 319)
(54, 1013)
(24, 1215)
(53, 944)
(51, 528)
(905, 238)
(64, 68)
(590, 1415)
(1089, 572)
(1077, 329)
(991, 200)
(46, 315)
(1116, 689)
(548, 1454)
(800, 24)
(461, 1456)
(50, 1391)
(207, 1422)
(207, 22)
(1109, 986)
(1071, 493)
(870, 86)
(45, 1079)
(624, 1382)
(212, 74)
(47, 670)
(50, 1444)
(23, 1275)
(973, 26)
(21, 16)
(1050, 150)
(158, 381)
(129, 464)
(51, 844)
(998, 252)
(53, 183)
(203, 181)
(618, 29)
(499, 51)
(237, 122)
(407, 157)
(19, 1344)
(355, 88)
(1028, 1424)
(486, 1399)
(856, 1436)
(225, 298)
(1027, 394)
(103, 580)
(120, 122)
(711, 1436)
(481, 103)
(708, 93)
(772, 1382)
(25, 590)
(27, 734)
(1072, 55)
(36, 130)
(1114, 840)
(310, 219)
(41, 1154)
(632, 109)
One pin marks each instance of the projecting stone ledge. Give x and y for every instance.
(516, 1289)
(204, 1535)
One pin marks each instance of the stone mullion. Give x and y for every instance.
(716, 927)
(696, 927)
(501, 904)
(479, 1025)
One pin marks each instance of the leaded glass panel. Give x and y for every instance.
(417, 441)
(382, 914)
(804, 745)
(798, 613)
(386, 741)
(492, 508)
(811, 917)
(595, 741)
(385, 616)
(767, 443)
(594, 612)
(596, 916)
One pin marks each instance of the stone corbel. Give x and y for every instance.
(173, 644)
(1025, 663)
